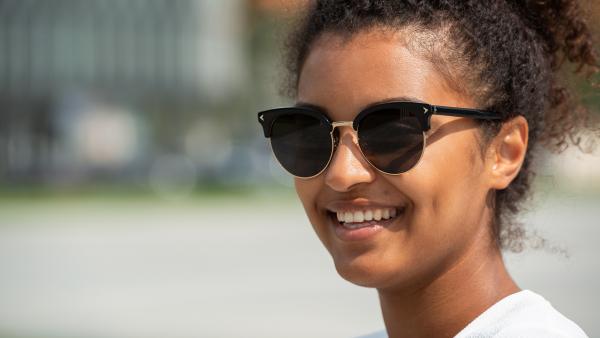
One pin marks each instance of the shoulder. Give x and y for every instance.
(522, 314)
(535, 331)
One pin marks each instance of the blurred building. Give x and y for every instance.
(97, 89)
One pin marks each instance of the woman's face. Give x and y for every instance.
(440, 203)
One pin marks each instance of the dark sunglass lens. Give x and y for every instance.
(301, 143)
(392, 140)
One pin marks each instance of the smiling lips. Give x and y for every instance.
(356, 223)
(361, 219)
(366, 217)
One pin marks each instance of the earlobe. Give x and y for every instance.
(509, 150)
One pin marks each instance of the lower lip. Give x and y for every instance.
(362, 233)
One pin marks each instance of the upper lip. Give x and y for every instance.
(359, 203)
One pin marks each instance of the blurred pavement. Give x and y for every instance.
(235, 267)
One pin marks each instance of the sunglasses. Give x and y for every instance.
(391, 135)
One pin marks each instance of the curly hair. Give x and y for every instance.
(507, 54)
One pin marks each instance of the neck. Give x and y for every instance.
(444, 306)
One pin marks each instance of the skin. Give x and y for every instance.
(436, 268)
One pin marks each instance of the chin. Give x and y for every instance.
(364, 272)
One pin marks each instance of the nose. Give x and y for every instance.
(348, 168)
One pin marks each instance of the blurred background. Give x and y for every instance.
(138, 197)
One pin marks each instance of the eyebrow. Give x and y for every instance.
(391, 99)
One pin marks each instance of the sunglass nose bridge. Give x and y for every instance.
(335, 133)
(342, 124)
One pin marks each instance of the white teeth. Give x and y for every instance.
(360, 216)
(377, 215)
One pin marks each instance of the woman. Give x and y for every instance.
(412, 143)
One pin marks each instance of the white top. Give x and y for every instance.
(522, 314)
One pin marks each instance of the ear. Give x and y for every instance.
(507, 152)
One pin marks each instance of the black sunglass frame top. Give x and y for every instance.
(267, 117)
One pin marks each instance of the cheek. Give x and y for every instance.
(308, 192)
(446, 216)
(448, 189)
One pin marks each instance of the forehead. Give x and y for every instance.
(345, 75)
